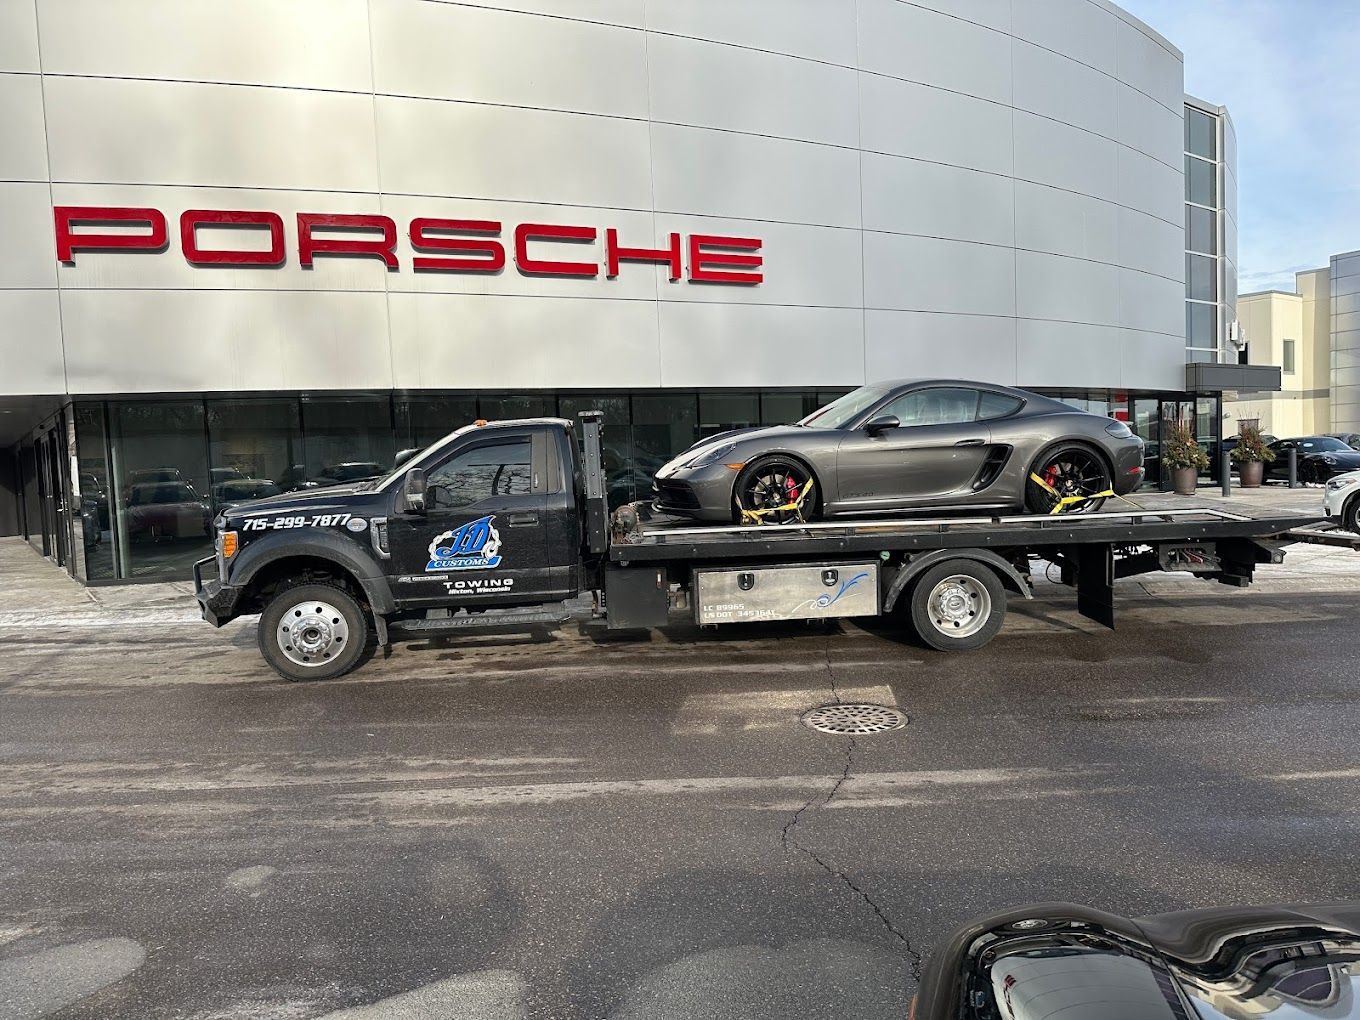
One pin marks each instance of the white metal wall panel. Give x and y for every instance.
(30, 343)
(994, 14)
(26, 257)
(760, 345)
(185, 341)
(906, 119)
(23, 156)
(1066, 289)
(463, 341)
(1150, 186)
(901, 345)
(1148, 245)
(1062, 156)
(320, 44)
(909, 42)
(465, 150)
(912, 196)
(913, 220)
(1070, 354)
(1078, 28)
(473, 54)
(1055, 86)
(1065, 223)
(927, 274)
(817, 29)
(156, 132)
(1145, 303)
(1149, 66)
(725, 174)
(18, 36)
(1142, 123)
(710, 85)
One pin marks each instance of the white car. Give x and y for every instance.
(1341, 499)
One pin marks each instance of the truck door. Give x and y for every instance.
(481, 537)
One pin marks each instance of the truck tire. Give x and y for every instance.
(958, 605)
(312, 632)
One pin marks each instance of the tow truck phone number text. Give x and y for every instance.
(320, 521)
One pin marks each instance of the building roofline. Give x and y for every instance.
(1141, 26)
(1267, 293)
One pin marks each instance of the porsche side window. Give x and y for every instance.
(492, 469)
(935, 406)
(997, 405)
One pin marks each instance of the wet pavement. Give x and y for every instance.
(577, 825)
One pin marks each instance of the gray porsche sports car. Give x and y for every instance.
(920, 444)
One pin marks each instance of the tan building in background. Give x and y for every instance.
(1294, 332)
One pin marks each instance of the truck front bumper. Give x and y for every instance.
(216, 601)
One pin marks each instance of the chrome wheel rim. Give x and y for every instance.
(959, 606)
(311, 634)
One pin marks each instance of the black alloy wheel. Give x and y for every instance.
(772, 483)
(1069, 471)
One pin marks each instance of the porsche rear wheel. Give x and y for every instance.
(1070, 471)
(770, 488)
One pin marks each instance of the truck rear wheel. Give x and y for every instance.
(312, 632)
(958, 605)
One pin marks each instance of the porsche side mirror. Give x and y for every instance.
(882, 423)
(413, 488)
(404, 455)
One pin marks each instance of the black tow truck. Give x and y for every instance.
(499, 524)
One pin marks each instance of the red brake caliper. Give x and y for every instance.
(1051, 475)
(791, 488)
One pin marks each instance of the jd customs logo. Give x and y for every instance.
(474, 546)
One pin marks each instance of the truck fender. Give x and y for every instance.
(322, 545)
(914, 568)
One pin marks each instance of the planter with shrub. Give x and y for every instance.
(1185, 458)
(1251, 454)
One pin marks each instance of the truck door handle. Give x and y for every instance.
(519, 520)
(970, 442)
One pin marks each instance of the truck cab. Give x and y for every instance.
(488, 517)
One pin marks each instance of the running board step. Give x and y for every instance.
(491, 620)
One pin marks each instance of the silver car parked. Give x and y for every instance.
(919, 444)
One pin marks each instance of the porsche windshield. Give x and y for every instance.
(843, 410)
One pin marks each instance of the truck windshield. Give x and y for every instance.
(843, 410)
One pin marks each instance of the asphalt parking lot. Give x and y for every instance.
(570, 826)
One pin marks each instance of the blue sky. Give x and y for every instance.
(1289, 73)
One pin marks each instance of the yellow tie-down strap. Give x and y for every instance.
(1063, 502)
(758, 516)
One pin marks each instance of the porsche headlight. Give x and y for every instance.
(1118, 429)
(1327, 458)
(712, 455)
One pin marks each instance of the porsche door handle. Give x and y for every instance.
(971, 442)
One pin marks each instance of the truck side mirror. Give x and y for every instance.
(882, 423)
(404, 455)
(413, 489)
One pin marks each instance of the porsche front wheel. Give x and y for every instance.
(775, 490)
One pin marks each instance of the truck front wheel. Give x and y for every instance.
(958, 605)
(312, 632)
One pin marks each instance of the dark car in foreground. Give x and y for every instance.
(1319, 458)
(911, 445)
(1225, 963)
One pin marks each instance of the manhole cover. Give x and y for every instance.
(855, 719)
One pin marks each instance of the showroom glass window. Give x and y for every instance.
(425, 420)
(625, 482)
(719, 412)
(94, 488)
(502, 406)
(1204, 265)
(160, 492)
(663, 425)
(483, 472)
(346, 438)
(254, 448)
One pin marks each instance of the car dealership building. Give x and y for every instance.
(256, 245)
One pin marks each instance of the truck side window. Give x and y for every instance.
(490, 469)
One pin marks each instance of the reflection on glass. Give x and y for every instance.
(253, 447)
(786, 408)
(346, 439)
(493, 469)
(626, 481)
(425, 420)
(161, 482)
(663, 425)
(1201, 182)
(92, 491)
(500, 406)
(1201, 133)
(719, 412)
(1201, 278)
